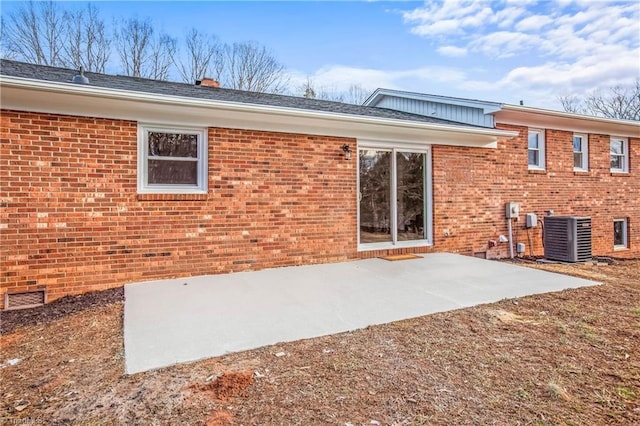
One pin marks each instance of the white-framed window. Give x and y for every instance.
(172, 160)
(619, 154)
(580, 152)
(620, 234)
(536, 149)
(394, 196)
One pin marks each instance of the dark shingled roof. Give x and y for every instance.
(136, 84)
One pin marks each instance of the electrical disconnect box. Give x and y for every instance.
(531, 220)
(512, 210)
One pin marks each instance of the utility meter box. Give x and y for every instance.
(531, 220)
(512, 210)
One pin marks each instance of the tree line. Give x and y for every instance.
(616, 102)
(45, 33)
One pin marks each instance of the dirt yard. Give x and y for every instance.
(563, 358)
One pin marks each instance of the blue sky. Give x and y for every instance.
(501, 51)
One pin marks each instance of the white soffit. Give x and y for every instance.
(556, 120)
(90, 101)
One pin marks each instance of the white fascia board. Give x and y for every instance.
(91, 101)
(547, 119)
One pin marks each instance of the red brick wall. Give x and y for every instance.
(468, 198)
(72, 221)
(471, 187)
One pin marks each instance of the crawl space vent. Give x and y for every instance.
(27, 299)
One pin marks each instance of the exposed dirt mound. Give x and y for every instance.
(229, 385)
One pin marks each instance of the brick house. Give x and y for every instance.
(120, 179)
(559, 163)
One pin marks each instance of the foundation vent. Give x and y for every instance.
(26, 299)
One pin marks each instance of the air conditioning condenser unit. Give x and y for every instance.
(567, 238)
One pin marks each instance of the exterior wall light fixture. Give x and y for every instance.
(347, 151)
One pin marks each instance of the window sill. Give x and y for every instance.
(537, 171)
(580, 172)
(619, 173)
(172, 197)
(620, 248)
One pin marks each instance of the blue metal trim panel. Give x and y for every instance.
(460, 114)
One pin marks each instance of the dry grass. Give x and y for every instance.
(571, 357)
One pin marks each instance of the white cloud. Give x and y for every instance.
(447, 17)
(525, 2)
(339, 77)
(532, 23)
(507, 16)
(534, 51)
(452, 51)
(543, 83)
(505, 44)
(447, 26)
(555, 47)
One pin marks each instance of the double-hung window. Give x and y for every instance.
(580, 152)
(619, 155)
(620, 234)
(394, 187)
(172, 160)
(536, 149)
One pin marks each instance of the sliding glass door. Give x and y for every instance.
(393, 189)
(410, 195)
(375, 201)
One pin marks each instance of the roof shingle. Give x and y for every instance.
(143, 85)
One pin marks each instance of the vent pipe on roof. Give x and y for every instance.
(80, 78)
(521, 102)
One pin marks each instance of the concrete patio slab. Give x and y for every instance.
(186, 319)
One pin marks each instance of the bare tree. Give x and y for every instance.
(311, 90)
(356, 94)
(250, 66)
(43, 33)
(328, 93)
(202, 57)
(571, 103)
(163, 49)
(35, 33)
(133, 44)
(618, 102)
(307, 89)
(86, 44)
(5, 51)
